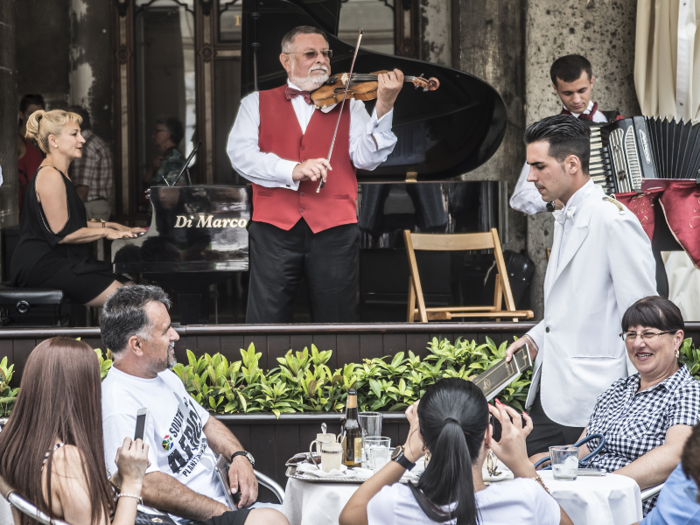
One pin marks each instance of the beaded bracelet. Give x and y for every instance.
(123, 495)
(538, 479)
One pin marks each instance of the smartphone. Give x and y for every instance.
(141, 422)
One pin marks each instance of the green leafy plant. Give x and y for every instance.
(8, 395)
(303, 381)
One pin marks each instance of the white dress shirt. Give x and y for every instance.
(371, 141)
(568, 214)
(526, 198)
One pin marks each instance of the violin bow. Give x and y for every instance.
(342, 105)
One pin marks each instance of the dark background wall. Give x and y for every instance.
(43, 41)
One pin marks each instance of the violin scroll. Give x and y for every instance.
(428, 85)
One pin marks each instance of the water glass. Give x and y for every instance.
(380, 444)
(331, 455)
(371, 423)
(380, 456)
(564, 462)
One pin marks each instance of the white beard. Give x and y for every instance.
(310, 83)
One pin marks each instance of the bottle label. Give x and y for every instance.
(352, 402)
(358, 450)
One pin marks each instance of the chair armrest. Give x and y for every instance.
(271, 484)
(30, 510)
(651, 492)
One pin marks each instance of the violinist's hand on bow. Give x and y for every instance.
(312, 169)
(390, 85)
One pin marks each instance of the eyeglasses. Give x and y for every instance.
(646, 336)
(310, 55)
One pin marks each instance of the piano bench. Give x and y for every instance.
(29, 306)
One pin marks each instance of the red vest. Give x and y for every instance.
(336, 203)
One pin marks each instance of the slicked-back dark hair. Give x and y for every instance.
(175, 127)
(453, 416)
(566, 134)
(124, 314)
(288, 39)
(569, 68)
(654, 311)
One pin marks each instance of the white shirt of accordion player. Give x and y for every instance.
(371, 141)
(526, 198)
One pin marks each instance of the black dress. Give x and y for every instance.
(39, 261)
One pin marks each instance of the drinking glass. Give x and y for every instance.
(331, 455)
(380, 444)
(380, 457)
(371, 423)
(564, 462)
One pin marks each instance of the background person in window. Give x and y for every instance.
(92, 173)
(451, 422)
(647, 417)
(52, 444)
(53, 250)
(167, 135)
(679, 500)
(29, 155)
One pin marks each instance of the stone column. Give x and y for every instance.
(603, 32)
(9, 212)
(491, 38)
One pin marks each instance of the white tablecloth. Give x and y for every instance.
(590, 500)
(597, 500)
(307, 503)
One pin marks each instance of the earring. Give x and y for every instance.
(427, 458)
(55, 145)
(678, 353)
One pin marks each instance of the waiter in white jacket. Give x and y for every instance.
(601, 263)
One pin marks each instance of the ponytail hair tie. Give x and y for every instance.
(451, 420)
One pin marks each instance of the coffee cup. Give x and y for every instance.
(331, 455)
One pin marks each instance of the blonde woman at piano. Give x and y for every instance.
(572, 81)
(53, 249)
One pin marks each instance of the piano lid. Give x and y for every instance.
(441, 134)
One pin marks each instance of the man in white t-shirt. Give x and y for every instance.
(572, 81)
(184, 440)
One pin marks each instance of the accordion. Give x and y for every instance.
(627, 151)
(652, 166)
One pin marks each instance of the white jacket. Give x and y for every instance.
(606, 265)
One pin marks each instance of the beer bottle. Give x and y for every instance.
(352, 444)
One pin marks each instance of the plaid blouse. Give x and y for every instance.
(634, 423)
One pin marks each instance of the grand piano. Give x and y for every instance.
(197, 233)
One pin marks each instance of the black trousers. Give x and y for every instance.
(232, 517)
(546, 433)
(328, 261)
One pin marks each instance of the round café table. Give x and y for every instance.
(590, 500)
(597, 500)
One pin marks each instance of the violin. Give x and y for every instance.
(362, 87)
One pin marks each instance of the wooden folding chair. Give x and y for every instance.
(459, 242)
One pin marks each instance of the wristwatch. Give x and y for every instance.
(248, 456)
(398, 456)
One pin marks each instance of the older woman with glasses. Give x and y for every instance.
(647, 417)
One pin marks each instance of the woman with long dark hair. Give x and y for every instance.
(51, 449)
(451, 422)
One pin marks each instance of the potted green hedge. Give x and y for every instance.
(303, 382)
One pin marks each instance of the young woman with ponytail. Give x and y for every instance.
(451, 422)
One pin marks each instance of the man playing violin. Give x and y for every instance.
(279, 142)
